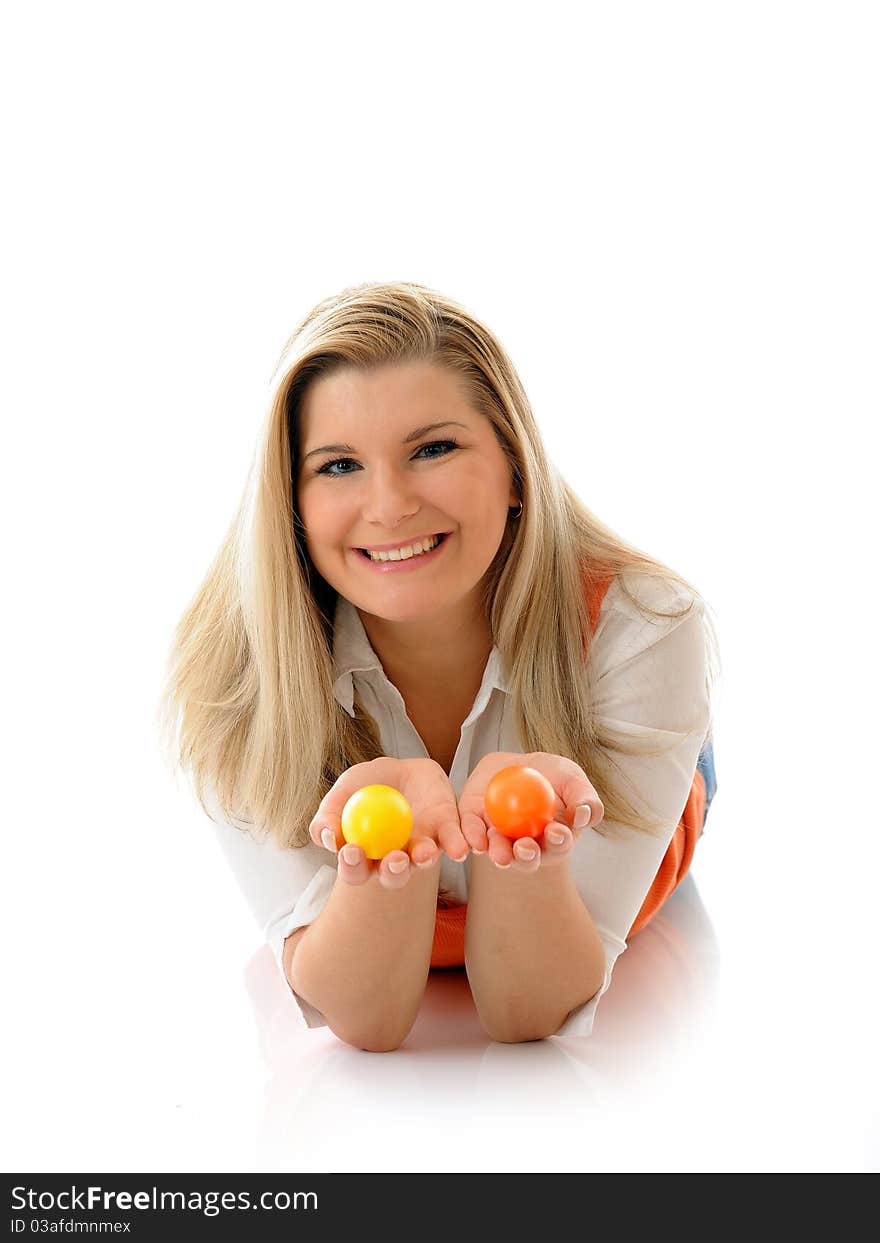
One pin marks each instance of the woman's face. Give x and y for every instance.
(388, 486)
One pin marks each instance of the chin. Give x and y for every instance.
(415, 610)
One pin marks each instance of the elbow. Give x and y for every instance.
(512, 1028)
(376, 1033)
(521, 1031)
(370, 1041)
(521, 1035)
(507, 1028)
(380, 1045)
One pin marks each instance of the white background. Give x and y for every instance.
(668, 214)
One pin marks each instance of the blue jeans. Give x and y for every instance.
(706, 765)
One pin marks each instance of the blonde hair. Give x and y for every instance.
(248, 706)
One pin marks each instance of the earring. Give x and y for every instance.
(518, 513)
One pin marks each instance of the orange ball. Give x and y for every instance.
(520, 802)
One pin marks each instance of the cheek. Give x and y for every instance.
(484, 503)
(327, 525)
(474, 495)
(316, 515)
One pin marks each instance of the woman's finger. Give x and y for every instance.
(452, 840)
(394, 870)
(329, 839)
(558, 839)
(587, 812)
(500, 849)
(353, 864)
(474, 832)
(326, 832)
(423, 851)
(526, 855)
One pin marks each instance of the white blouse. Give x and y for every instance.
(651, 684)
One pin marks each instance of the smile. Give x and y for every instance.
(410, 557)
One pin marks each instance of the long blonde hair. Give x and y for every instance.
(248, 706)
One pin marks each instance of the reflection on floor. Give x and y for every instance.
(329, 1106)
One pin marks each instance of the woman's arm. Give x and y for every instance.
(364, 961)
(532, 951)
(652, 687)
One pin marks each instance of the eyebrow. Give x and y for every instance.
(414, 435)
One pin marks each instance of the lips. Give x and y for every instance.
(403, 564)
(407, 543)
(435, 540)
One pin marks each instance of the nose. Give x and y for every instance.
(390, 500)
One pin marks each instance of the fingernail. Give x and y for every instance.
(502, 866)
(351, 853)
(556, 836)
(328, 837)
(397, 866)
(583, 816)
(424, 861)
(525, 853)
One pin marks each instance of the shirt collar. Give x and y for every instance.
(353, 653)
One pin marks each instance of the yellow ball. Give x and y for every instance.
(378, 819)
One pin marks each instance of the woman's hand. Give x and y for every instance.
(577, 806)
(436, 826)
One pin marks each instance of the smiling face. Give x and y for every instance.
(390, 487)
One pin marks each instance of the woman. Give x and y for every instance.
(412, 595)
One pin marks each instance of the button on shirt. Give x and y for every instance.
(650, 686)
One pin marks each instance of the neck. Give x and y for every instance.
(441, 656)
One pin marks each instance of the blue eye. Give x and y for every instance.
(446, 445)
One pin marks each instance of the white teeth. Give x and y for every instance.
(403, 554)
